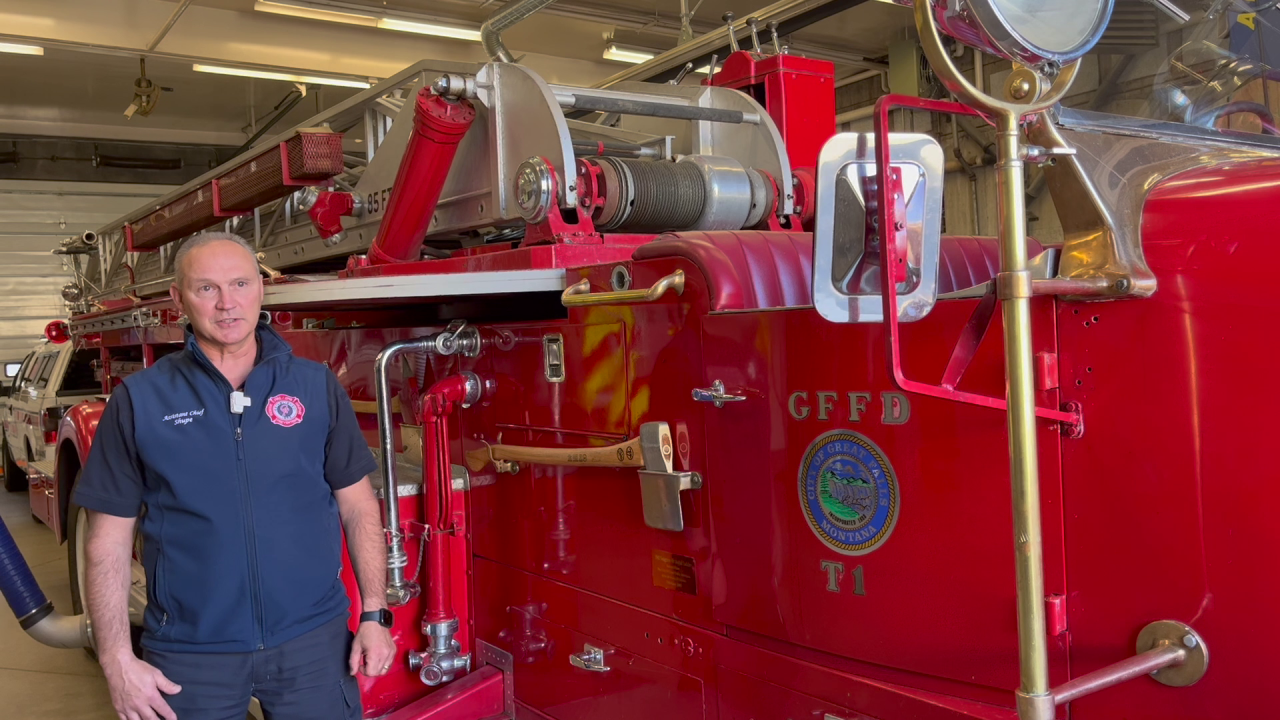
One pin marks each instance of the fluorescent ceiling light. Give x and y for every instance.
(21, 49)
(287, 77)
(430, 28)
(340, 14)
(306, 11)
(622, 53)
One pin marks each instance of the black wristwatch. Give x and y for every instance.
(383, 617)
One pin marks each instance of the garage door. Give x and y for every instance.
(34, 217)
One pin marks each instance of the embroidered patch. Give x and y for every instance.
(285, 410)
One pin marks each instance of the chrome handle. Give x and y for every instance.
(591, 658)
(716, 395)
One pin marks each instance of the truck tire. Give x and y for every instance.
(15, 480)
(77, 536)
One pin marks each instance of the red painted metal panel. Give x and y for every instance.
(658, 668)
(798, 92)
(471, 697)
(594, 396)
(1170, 504)
(743, 697)
(946, 571)
(585, 526)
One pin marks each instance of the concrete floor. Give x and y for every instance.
(39, 682)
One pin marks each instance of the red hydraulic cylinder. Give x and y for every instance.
(438, 126)
(437, 404)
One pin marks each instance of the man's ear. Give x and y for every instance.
(176, 295)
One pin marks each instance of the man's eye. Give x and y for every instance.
(206, 288)
(242, 283)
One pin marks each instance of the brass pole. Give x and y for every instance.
(1034, 696)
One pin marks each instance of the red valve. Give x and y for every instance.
(326, 214)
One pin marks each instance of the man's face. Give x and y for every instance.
(221, 294)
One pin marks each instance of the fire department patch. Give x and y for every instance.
(849, 492)
(285, 410)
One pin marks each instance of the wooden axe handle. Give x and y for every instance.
(622, 455)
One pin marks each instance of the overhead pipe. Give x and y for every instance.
(791, 16)
(866, 75)
(168, 25)
(510, 15)
(439, 123)
(33, 610)
(443, 660)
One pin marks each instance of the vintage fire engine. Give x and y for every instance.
(686, 408)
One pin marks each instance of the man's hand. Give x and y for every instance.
(373, 650)
(135, 689)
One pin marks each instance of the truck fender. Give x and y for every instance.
(75, 436)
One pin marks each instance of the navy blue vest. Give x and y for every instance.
(242, 543)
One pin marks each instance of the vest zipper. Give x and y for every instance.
(250, 537)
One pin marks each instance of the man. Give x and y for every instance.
(247, 461)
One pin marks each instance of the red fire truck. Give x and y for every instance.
(687, 408)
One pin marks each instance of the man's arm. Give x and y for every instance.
(373, 650)
(135, 686)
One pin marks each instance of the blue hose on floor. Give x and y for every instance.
(18, 585)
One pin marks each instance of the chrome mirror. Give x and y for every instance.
(848, 245)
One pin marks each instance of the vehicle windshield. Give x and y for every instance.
(1209, 72)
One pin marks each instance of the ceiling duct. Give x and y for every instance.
(1134, 29)
(511, 14)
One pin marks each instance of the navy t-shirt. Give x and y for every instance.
(113, 479)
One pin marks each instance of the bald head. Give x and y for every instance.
(218, 286)
(180, 270)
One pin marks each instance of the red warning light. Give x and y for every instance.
(57, 332)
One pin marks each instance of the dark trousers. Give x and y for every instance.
(303, 679)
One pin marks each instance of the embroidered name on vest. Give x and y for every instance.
(184, 418)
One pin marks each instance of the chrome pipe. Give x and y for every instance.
(1157, 658)
(399, 589)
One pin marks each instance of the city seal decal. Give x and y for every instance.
(285, 410)
(849, 492)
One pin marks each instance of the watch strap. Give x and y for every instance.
(382, 617)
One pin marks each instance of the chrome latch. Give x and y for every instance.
(716, 395)
(553, 357)
(591, 658)
(461, 479)
(1036, 155)
(458, 338)
(660, 486)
